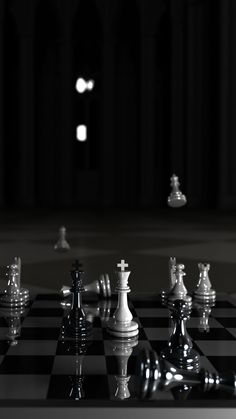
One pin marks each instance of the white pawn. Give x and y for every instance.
(122, 325)
(62, 245)
(176, 198)
(203, 290)
(179, 291)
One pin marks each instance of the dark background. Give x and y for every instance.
(164, 101)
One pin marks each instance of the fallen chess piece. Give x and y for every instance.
(180, 350)
(122, 323)
(154, 373)
(101, 286)
(14, 296)
(75, 324)
(204, 289)
(179, 291)
(62, 245)
(122, 350)
(176, 198)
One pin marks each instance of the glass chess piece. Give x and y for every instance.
(176, 198)
(14, 296)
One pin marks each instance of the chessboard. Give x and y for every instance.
(40, 367)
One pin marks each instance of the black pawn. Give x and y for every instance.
(180, 350)
(75, 324)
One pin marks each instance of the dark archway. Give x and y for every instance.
(11, 108)
(48, 99)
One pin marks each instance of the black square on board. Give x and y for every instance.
(213, 334)
(94, 387)
(27, 365)
(33, 333)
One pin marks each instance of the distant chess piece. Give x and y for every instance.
(122, 323)
(14, 296)
(75, 324)
(203, 290)
(62, 245)
(179, 291)
(101, 286)
(176, 198)
(122, 350)
(204, 311)
(180, 350)
(154, 373)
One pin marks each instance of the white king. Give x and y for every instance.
(121, 324)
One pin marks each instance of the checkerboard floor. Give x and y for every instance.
(41, 365)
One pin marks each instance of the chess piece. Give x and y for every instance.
(14, 295)
(101, 287)
(101, 310)
(122, 350)
(172, 277)
(23, 291)
(62, 245)
(180, 350)
(122, 325)
(179, 291)
(154, 373)
(203, 289)
(204, 311)
(75, 324)
(176, 198)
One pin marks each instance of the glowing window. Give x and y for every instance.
(82, 85)
(81, 133)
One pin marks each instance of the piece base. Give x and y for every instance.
(123, 334)
(122, 329)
